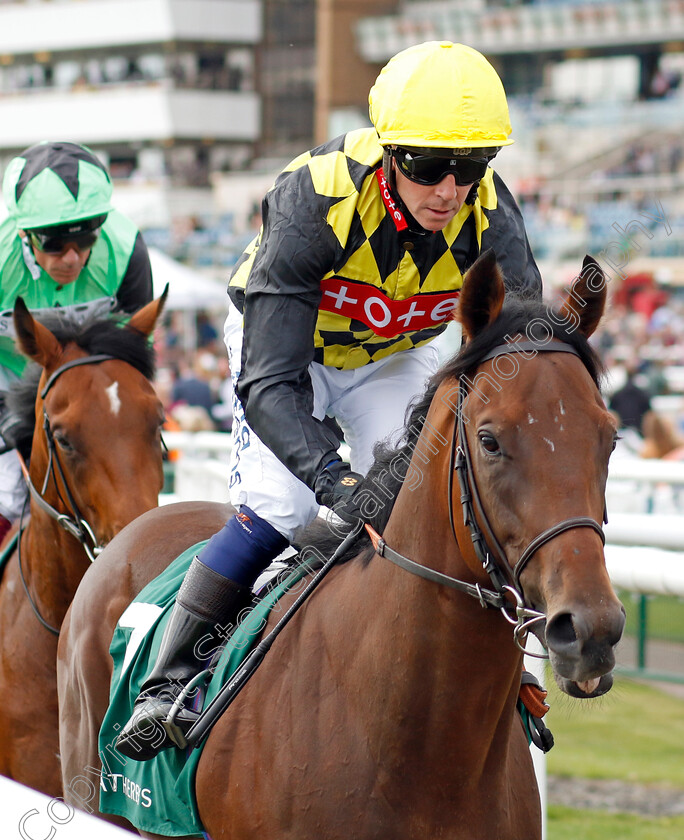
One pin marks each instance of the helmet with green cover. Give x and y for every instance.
(57, 188)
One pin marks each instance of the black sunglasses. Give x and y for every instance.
(56, 244)
(429, 169)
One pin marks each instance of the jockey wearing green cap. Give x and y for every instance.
(62, 246)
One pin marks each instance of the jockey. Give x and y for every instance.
(356, 269)
(61, 246)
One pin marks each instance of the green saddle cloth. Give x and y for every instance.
(159, 795)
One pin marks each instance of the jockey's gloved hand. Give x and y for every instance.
(336, 486)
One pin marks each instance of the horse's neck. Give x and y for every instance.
(429, 677)
(433, 655)
(53, 563)
(451, 629)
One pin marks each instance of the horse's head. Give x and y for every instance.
(539, 438)
(96, 451)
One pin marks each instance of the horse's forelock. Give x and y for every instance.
(527, 317)
(108, 335)
(94, 335)
(21, 401)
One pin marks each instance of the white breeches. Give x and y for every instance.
(369, 403)
(12, 486)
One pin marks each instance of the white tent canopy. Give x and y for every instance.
(188, 289)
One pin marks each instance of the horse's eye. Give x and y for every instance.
(489, 443)
(63, 442)
(616, 438)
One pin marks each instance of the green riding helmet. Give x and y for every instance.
(57, 186)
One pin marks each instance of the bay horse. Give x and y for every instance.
(95, 464)
(387, 706)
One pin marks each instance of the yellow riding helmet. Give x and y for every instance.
(440, 95)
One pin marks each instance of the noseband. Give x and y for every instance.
(73, 523)
(505, 580)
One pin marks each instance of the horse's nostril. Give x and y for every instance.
(560, 631)
(618, 627)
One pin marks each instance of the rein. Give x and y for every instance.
(73, 523)
(505, 581)
(22, 576)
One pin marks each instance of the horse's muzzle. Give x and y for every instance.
(587, 688)
(582, 654)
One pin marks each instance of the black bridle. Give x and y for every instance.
(73, 523)
(505, 580)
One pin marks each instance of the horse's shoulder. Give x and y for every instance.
(145, 547)
(201, 514)
(179, 525)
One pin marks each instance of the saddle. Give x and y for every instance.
(157, 796)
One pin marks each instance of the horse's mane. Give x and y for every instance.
(518, 312)
(93, 334)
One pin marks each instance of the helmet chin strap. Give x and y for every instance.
(390, 175)
(472, 194)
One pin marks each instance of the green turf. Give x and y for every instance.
(568, 824)
(634, 733)
(665, 616)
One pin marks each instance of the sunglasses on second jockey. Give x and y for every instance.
(430, 169)
(56, 244)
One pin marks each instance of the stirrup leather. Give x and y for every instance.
(178, 729)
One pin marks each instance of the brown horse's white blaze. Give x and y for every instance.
(114, 402)
(105, 420)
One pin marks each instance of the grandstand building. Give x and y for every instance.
(196, 104)
(163, 90)
(596, 97)
(597, 104)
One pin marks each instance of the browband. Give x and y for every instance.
(86, 360)
(529, 346)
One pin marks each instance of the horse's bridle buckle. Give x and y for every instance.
(480, 597)
(522, 622)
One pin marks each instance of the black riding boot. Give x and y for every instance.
(207, 603)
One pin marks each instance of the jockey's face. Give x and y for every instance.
(432, 206)
(65, 266)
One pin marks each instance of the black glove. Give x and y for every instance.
(336, 486)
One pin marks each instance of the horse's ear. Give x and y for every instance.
(35, 340)
(482, 295)
(145, 319)
(585, 302)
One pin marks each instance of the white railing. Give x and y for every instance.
(646, 570)
(645, 486)
(634, 485)
(645, 530)
(201, 445)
